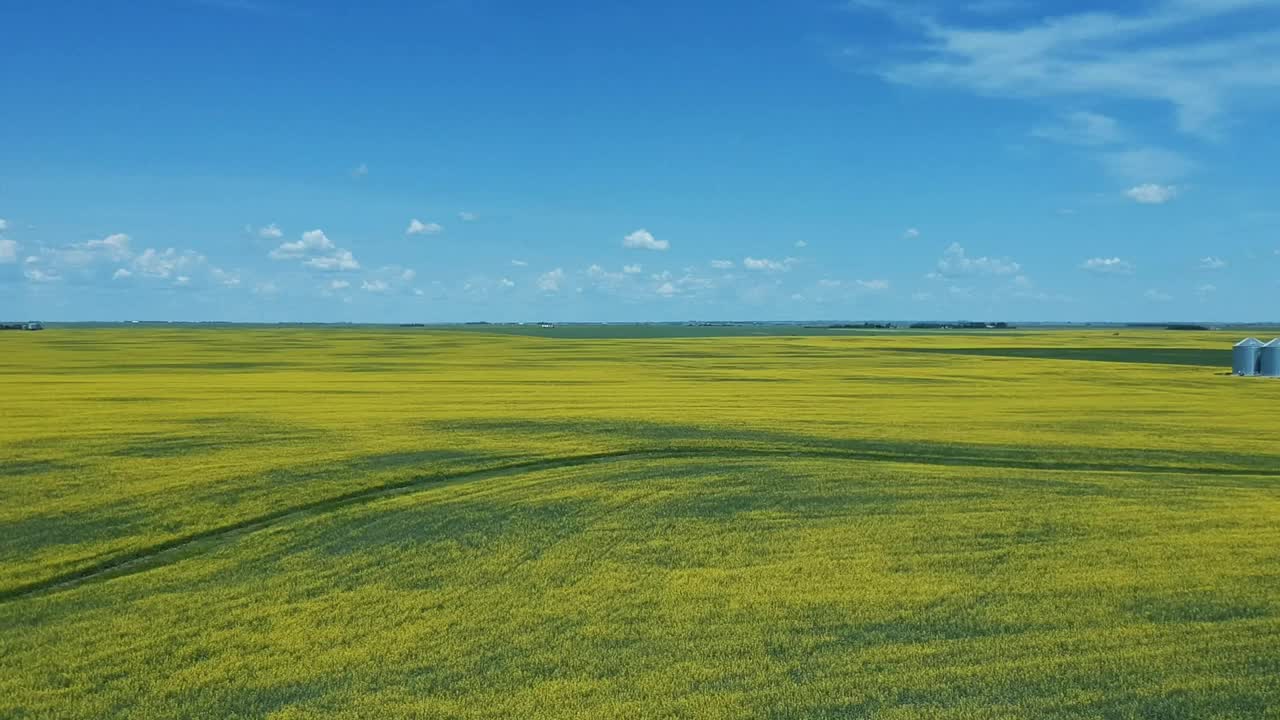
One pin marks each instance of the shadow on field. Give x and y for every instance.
(536, 434)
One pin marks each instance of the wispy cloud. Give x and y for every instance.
(1212, 263)
(1152, 53)
(1082, 128)
(1151, 194)
(1158, 296)
(1147, 164)
(910, 234)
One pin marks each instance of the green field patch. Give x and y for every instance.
(1160, 356)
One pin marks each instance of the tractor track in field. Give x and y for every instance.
(158, 554)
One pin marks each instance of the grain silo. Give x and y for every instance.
(1269, 359)
(1244, 357)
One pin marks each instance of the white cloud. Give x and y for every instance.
(115, 247)
(551, 281)
(1082, 128)
(802, 244)
(1204, 291)
(121, 274)
(265, 288)
(506, 283)
(270, 232)
(339, 285)
(666, 289)
(827, 283)
(751, 263)
(644, 240)
(166, 263)
(1154, 52)
(182, 281)
(360, 171)
(722, 264)
(225, 278)
(319, 252)
(921, 296)
(1150, 194)
(339, 260)
(4, 225)
(910, 234)
(1111, 265)
(874, 285)
(632, 269)
(519, 263)
(1212, 263)
(313, 241)
(468, 217)
(1157, 296)
(604, 278)
(408, 275)
(417, 227)
(374, 286)
(954, 262)
(8, 251)
(35, 274)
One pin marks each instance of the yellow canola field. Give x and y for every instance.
(356, 522)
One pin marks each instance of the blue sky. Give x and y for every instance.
(279, 160)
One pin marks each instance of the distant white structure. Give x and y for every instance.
(1245, 357)
(1269, 359)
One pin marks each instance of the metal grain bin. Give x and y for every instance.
(1245, 356)
(1269, 359)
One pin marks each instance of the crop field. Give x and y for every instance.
(420, 523)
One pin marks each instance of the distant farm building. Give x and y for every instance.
(1269, 359)
(33, 325)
